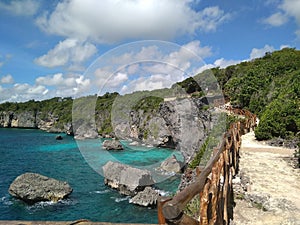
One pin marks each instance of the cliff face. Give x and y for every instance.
(177, 124)
(25, 119)
(30, 119)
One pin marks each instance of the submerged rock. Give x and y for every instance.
(33, 187)
(171, 165)
(148, 197)
(127, 180)
(112, 145)
(58, 137)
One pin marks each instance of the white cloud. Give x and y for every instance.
(56, 85)
(64, 85)
(276, 19)
(21, 7)
(286, 9)
(292, 8)
(111, 81)
(155, 81)
(211, 18)
(284, 46)
(223, 63)
(69, 51)
(8, 79)
(110, 21)
(22, 92)
(147, 65)
(260, 52)
(56, 80)
(195, 47)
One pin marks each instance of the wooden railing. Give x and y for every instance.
(213, 183)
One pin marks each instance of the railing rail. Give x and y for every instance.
(213, 184)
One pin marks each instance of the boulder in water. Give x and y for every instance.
(147, 197)
(126, 179)
(112, 145)
(171, 165)
(58, 137)
(33, 187)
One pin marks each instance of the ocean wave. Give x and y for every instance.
(5, 201)
(164, 193)
(45, 204)
(121, 199)
(101, 192)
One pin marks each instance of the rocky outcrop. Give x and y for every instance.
(178, 123)
(112, 145)
(147, 197)
(32, 119)
(26, 119)
(58, 137)
(33, 187)
(171, 165)
(127, 180)
(85, 131)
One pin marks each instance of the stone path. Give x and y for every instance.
(267, 190)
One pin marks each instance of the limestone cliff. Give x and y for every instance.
(179, 123)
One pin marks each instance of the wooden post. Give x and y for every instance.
(204, 203)
(160, 202)
(225, 186)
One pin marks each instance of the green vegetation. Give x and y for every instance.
(197, 159)
(268, 86)
(103, 109)
(190, 85)
(148, 104)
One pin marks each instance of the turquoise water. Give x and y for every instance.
(23, 150)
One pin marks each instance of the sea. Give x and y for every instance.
(79, 163)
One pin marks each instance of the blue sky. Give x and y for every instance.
(46, 47)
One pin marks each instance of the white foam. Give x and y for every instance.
(5, 201)
(122, 199)
(102, 192)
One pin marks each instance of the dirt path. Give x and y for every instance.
(267, 190)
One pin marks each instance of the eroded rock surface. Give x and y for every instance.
(148, 197)
(112, 145)
(126, 179)
(171, 165)
(33, 187)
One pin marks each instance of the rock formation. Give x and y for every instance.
(171, 165)
(127, 180)
(178, 123)
(147, 197)
(33, 187)
(85, 131)
(112, 145)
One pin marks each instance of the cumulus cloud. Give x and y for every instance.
(8, 79)
(223, 63)
(260, 52)
(21, 7)
(111, 80)
(109, 21)
(148, 65)
(286, 9)
(45, 87)
(22, 92)
(69, 51)
(276, 19)
(65, 85)
(56, 80)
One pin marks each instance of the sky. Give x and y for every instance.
(69, 48)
